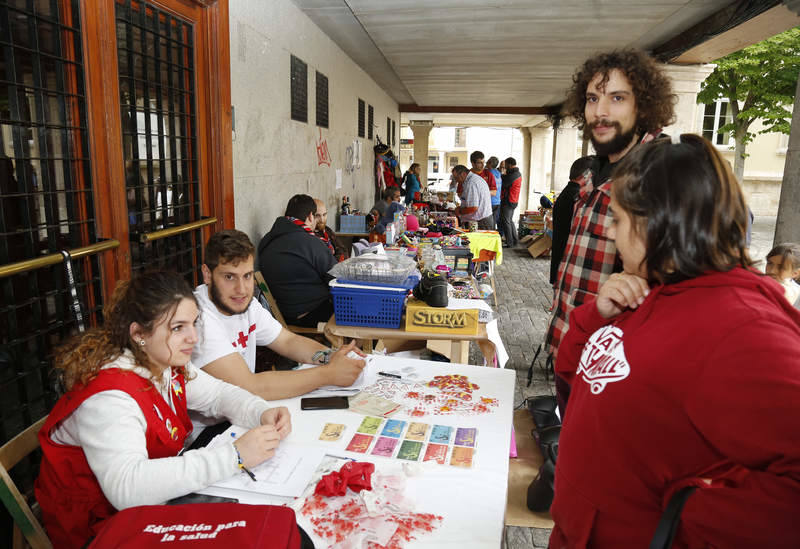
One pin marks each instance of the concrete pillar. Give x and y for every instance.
(787, 226)
(525, 168)
(566, 152)
(421, 130)
(540, 161)
(686, 81)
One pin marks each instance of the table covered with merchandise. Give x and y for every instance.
(437, 436)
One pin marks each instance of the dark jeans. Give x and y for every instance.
(487, 223)
(507, 222)
(496, 215)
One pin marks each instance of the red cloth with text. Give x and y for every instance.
(356, 475)
(72, 502)
(200, 525)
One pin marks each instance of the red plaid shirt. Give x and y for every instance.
(590, 257)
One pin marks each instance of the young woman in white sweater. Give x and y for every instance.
(115, 439)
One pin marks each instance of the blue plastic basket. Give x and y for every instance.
(377, 307)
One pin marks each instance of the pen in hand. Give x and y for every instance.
(241, 465)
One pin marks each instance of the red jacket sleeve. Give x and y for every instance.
(513, 193)
(746, 404)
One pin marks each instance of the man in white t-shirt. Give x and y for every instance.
(233, 323)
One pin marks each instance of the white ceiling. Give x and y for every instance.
(493, 53)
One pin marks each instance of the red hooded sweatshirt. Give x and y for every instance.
(702, 381)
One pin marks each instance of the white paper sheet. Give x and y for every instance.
(287, 473)
(365, 378)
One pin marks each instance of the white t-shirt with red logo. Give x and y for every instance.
(221, 335)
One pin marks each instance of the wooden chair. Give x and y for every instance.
(25, 521)
(263, 289)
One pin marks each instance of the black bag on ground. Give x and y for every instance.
(543, 410)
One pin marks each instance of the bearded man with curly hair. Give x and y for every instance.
(619, 99)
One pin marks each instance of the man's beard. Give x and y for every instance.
(618, 144)
(216, 299)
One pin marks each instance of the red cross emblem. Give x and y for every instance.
(242, 339)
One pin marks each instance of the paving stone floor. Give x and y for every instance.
(523, 300)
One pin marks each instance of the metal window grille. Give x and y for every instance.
(299, 83)
(361, 120)
(159, 135)
(45, 205)
(322, 100)
(370, 122)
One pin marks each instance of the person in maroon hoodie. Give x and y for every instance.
(685, 371)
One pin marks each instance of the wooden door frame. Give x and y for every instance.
(214, 146)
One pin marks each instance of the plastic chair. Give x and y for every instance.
(25, 522)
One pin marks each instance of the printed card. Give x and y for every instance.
(370, 425)
(417, 431)
(410, 450)
(466, 436)
(437, 453)
(360, 443)
(331, 432)
(441, 434)
(393, 428)
(461, 457)
(384, 447)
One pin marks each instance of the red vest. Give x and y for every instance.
(72, 502)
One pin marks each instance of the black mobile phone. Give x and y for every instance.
(324, 403)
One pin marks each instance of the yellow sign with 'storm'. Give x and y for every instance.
(422, 318)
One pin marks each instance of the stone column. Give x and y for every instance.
(787, 226)
(421, 130)
(566, 152)
(539, 162)
(525, 168)
(686, 80)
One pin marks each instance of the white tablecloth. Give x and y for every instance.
(472, 501)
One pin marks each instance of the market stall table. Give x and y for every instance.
(459, 343)
(471, 501)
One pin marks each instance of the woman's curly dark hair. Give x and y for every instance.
(652, 89)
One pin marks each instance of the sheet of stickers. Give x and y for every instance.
(442, 395)
(415, 441)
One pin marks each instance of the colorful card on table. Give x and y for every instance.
(393, 428)
(384, 447)
(410, 450)
(372, 405)
(461, 457)
(370, 425)
(466, 436)
(436, 452)
(441, 434)
(417, 431)
(331, 432)
(359, 443)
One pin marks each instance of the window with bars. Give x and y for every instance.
(299, 89)
(45, 206)
(322, 100)
(361, 117)
(370, 122)
(157, 99)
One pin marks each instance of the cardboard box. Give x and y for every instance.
(438, 320)
(540, 245)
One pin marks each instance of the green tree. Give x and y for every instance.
(759, 81)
